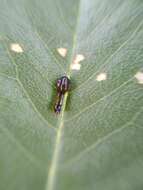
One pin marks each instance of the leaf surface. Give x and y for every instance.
(96, 142)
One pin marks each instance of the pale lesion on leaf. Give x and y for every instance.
(101, 77)
(139, 77)
(76, 62)
(16, 47)
(62, 51)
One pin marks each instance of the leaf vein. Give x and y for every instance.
(49, 50)
(104, 97)
(26, 152)
(111, 56)
(25, 91)
(52, 171)
(103, 139)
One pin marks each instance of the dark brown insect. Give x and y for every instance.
(63, 85)
(59, 102)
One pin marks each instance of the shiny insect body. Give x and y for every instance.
(59, 102)
(62, 85)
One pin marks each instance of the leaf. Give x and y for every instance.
(96, 142)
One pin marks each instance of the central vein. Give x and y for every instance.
(56, 154)
(52, 170)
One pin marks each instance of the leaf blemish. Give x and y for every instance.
(101, 77)
(62, 51)
(16, 48)
(75, 66)
(139, 77)
(76, 62)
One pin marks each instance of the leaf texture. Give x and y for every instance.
(96, 142)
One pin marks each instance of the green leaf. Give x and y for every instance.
(96, 143)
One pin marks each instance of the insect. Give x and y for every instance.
(59, 103)
(62, 85)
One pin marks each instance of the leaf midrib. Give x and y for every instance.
(56, 154)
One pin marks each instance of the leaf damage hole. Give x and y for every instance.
(62, 51)
(139, 77)
(16, 48)
(101, 77)
(76, 62)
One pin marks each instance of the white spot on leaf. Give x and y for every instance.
(78, 58)
(62, 51)
(16, 48)
(76, 62)
(75, 66)
(101, 76)
(139, 77)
